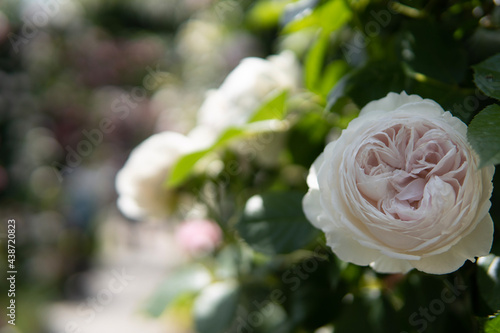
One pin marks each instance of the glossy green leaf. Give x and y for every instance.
(274, 108)
(488, 280)
(215, 308)
(185, 280)
(274, 223)
(484, 135)
(487, 76)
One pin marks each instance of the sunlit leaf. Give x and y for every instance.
(183, 167)
(274, 108)
(314, 62)
(266, 14)
(297, 11)
(492, 325)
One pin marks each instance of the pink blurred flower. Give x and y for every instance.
(198, 236)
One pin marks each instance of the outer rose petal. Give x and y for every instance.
(390, 103)
(349, 249)
(385, 264)
(476, 244)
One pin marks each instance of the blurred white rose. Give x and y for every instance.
(243, 92)
(401, 189)
(140, 183)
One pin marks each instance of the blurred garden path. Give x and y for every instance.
(132, 260)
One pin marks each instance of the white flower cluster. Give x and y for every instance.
(140, 183)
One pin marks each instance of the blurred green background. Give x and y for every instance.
(62, 66)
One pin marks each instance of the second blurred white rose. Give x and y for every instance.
(140, 183)
(244, 90)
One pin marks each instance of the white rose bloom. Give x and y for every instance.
(401, 189)
(140, 183)
(243, 92)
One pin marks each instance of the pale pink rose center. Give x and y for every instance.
(402, 167)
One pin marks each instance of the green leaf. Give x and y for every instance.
(185, 280)
(307, 138)
(230, 134)
(215, 307)
(430, 49)
(266, 14)
(484, 135)
(314, 62)
(492, 325)
(488, 280)
(182, 169)
(333, 15)
(329, 17)
(274, 223)
(332, 74)
(297, 11)
(487, 76)
(312, 299)
(359, 84)
(274, 108)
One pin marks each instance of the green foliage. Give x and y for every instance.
(274, 108)
(487, 76)
(307, 138)
(352, 52)
(484, 136)
(430, 49)
(187, 280)
(488, 280)
(328, 18)
(182, 169)
(274, 223)
(359, 84)
(266, 14)
(215, 307)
